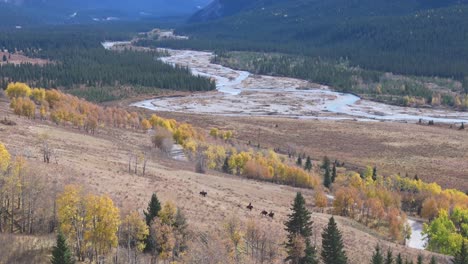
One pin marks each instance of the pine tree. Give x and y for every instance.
(310, 254)
(299, 161)
(61, 253)
(433, 260)
(377, 257)
(332, 245)
(226, 165)
(399, 260)
(374, 173)
(154, 206)
(4, 58)
(389, 258)
(461, 257)
(333, 177)
(325, 163)
(298, 223)
(327, 178)
(308, 164)
(420, 259)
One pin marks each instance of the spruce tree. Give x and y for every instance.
(333, 177)
(377, 257)
(461, 257)
(299, 223)
(332, 245)
(399, 259)
(299, 161)
(61, 253)
(226, 165)
(327, 178)
(374, 173)
(389, 258)
(310, 254)
(308, 164)
(154, 206)
(433, 260)
(325, 163)
(420, 259)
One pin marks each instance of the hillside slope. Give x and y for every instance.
(401, 36)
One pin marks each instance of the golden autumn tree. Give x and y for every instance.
(102, 222)
(5, 158)
(134, 231)
(167, 214)
(71, 217)
(145, 125)
(17, 90)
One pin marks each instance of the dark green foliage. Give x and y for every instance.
(374, 173)
(420, 259)
(325, 163)
(61, 253)
(389, 257)
(4, 58)
(433, 260)
(377, 257)
(310, 254)
(299, 161)
(299, 223)
(154, 206)
(308, 164)
(399, 259)
(80, 60)
(333, 176)
(461, 257)
(332, 245)
(411, 37)
(226, 166)
(327, 180)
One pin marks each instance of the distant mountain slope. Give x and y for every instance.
(78, 11)
(406, 36)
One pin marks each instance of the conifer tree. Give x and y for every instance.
(226, 165)
(377, 257)
(299, 223)
(154, 206)
(389, 258)
(61, 253)
(310, 254)
(325, 163)
(433, 260)
(299, 161)
(327, 178)
(308, 164)
(332, 245)
(374, 173)
(333, 177)
(399, 259)
(420, 259)
(461, 257)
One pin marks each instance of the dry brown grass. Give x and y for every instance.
(99, 163)
(18, 58)
(434, 153)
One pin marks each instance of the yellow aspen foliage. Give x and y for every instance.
(102, 221)
(38, 95)
(215, 156)
(321, 200)
(167, 214)
(43, 110)
(134, 231)
(214, 132)
(52, 97)
(145, 125)
(28, 108)
(18, 106)
(16, 90)
(227, 135)
(5, 158)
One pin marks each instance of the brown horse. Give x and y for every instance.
(271, 214)
(250, 207)
(264, 213)
(203, 193)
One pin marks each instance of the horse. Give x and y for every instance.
(203, 193)
(264, 213)
(250, 207)
(271, 214)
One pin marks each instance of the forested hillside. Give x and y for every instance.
(408, 37)
(77, 59)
